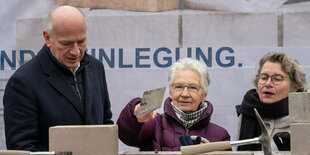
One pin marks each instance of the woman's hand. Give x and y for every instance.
(144, 118)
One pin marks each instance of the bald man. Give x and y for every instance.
(61, 85)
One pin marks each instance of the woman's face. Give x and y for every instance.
(186, 92)
(270, 92)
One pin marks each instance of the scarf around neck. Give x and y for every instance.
(188, 119)
(249, 124)
(266, 110)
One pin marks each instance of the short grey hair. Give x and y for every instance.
(49, 25)
(289, 65)
(190, 63)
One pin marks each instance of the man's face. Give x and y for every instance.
(67, 43)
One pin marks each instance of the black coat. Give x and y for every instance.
(37, 96)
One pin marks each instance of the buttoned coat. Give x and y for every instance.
(37, 96)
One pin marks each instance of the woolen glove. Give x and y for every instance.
(282, 140)
(187, 140)
(197, 140)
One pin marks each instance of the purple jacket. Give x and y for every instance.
(162, 133)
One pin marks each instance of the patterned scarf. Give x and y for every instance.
(189, 119)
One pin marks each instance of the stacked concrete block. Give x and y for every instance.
(14, 152)
(111, 29)
(294, 28)
(235, 6)
(217, 29)
(136, 5)
(29, 27)
(84, 139)
(295, 21)
(129, 29)
(179, 153)
(299, 111)
(209, 153)
(2, 136)
(273, 153)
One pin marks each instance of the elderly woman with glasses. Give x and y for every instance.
(278, 74)
(186, 113)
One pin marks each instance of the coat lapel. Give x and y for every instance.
(58, 81)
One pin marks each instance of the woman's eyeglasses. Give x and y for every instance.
(276, 79)
(190, 88)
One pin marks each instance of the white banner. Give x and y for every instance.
(137, 49)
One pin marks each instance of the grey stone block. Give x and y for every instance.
(300, 138)
(295, 29)
(299, 107)
(229, 29)
(137, 5)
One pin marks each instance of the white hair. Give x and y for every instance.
(190, 63)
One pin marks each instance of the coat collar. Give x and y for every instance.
(84, 62)
(55, 75)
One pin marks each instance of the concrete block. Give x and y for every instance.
(109, 29)
(234, 6)
(230, 153)
(273, 153)
(84, 140)
(217, 29)
(300, 138)
(14, 152)
(296, 29)
(136, 5)
(296, 7)
(299, 107)
(179, 153)
(26, 27)
(123, 29)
